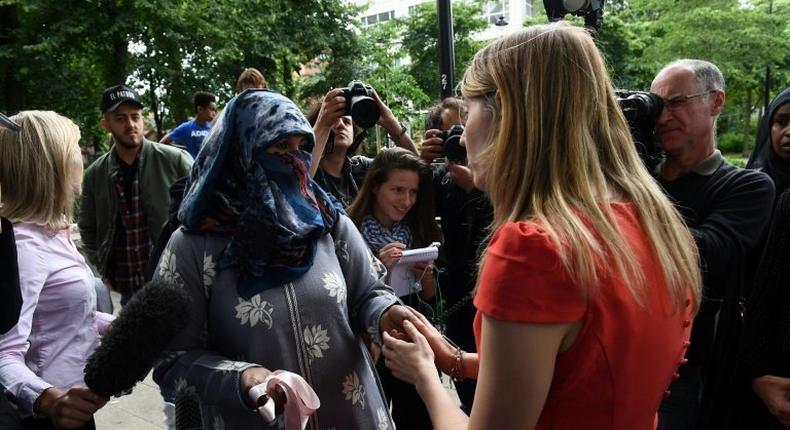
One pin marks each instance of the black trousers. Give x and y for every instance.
(45, 424)
(9, 417)
(408, 410)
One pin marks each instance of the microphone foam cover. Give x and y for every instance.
(137, 337)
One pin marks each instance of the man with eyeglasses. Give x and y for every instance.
(727, 210)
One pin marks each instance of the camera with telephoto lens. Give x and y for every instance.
(451, 143)
(641, 109)
(360, 104)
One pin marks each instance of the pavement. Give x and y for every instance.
(142, 409)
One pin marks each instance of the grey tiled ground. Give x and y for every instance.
(141, 410)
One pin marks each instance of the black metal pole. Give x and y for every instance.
(767, 83)
(446, 48)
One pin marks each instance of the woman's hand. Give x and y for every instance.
(444, 353)
(387, 118)
(333, 107)
(774, 392)
(253, 376)
(411, 362)
(388, 121)
(390, 253)
(69, 409)
(432, 145)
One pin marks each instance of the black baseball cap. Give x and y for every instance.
(118, 95)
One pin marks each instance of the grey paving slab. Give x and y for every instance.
(141, 410)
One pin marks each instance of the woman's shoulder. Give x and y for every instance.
(524, 279)
(183, 240)
(31, 234)
(343, 225)
(519, 236)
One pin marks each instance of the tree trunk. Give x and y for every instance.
(288, 82)
(157, 115)
(747, 121)
(120, 59)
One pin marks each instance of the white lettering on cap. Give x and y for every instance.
(122, 93)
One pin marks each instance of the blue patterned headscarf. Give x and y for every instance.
(267, 203)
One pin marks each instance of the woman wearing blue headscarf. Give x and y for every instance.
(279, 277)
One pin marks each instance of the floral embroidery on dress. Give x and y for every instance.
(384, 419)
(341, 249)
(182, 387)
(316, 341)
(336, 286)
(209, 272)
(228, 366)
(353, 390)
(378, 270)
(168, 269)
(219, 423)
(255, 311)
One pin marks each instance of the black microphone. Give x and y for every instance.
(136, 339)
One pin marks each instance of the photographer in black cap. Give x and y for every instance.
(340, 172)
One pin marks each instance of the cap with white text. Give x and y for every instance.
(118, 95)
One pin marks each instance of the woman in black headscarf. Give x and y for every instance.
(764, 361)
(772, 148)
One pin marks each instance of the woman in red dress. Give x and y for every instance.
(590, 280)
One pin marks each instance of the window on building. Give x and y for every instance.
(377, 18)
(494, 9)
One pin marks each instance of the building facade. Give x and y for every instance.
(503, 16)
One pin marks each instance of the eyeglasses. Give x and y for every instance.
(680, 101)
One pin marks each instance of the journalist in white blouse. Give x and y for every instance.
(42, 357)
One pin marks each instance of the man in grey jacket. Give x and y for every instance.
(125, 194)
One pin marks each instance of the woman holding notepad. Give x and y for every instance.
(394, 212)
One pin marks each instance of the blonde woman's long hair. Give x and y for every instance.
(560, 150)
(36, 169)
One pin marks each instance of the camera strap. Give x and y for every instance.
(357, 141)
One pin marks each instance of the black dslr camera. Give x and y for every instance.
(360, 104)
(451, 143)
(641, 109)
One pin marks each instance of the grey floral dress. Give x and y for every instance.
(311, 327)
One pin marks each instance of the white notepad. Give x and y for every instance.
(401, 279)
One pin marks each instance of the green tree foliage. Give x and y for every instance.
(421, 37)
(740, 37)
(59, 55)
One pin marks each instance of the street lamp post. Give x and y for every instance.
(446, 48)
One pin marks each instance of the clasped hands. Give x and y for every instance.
(399, 324)
(413, 353)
